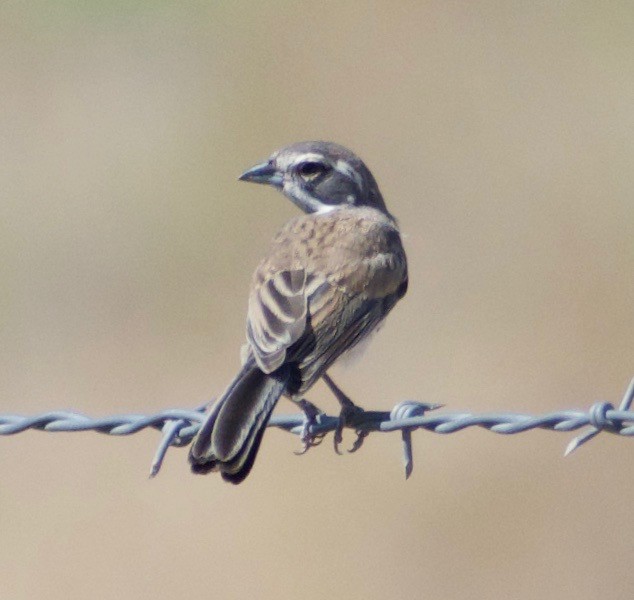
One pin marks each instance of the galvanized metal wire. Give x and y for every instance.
(178, 426)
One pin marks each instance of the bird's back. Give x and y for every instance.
(353, 270)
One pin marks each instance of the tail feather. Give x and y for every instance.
(229, 439)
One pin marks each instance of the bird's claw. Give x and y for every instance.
(361, 435)
(349, 412)
(307, 437)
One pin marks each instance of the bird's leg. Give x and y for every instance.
(348, 410)
(308, 439)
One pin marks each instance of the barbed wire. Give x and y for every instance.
(178, 426)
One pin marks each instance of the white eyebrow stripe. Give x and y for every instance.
(307, 157)
(345, 169)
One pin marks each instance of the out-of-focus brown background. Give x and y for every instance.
(502, 137)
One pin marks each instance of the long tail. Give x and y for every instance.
(230, 436)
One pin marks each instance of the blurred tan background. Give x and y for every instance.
(502, 135)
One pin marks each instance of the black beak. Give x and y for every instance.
(263, 173)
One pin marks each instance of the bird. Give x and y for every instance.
(330, 277)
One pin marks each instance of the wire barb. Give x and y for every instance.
(178, 426)
(600, 420)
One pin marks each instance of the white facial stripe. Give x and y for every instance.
(326, 208)
(345, 169)
(286, 162)
(306, 201)
(309, 157)
(309, 203)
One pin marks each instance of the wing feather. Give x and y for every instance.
(277, 317)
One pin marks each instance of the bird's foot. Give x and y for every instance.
(349, 414)
(307, 437)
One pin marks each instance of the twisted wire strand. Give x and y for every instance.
(178, 426)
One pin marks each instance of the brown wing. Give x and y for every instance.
(321, 290)
(277, 315)
(339, 318)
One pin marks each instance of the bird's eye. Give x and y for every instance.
(311, 170)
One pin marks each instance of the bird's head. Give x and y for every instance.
(319, 177)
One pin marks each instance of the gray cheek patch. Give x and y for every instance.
(347, 171)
